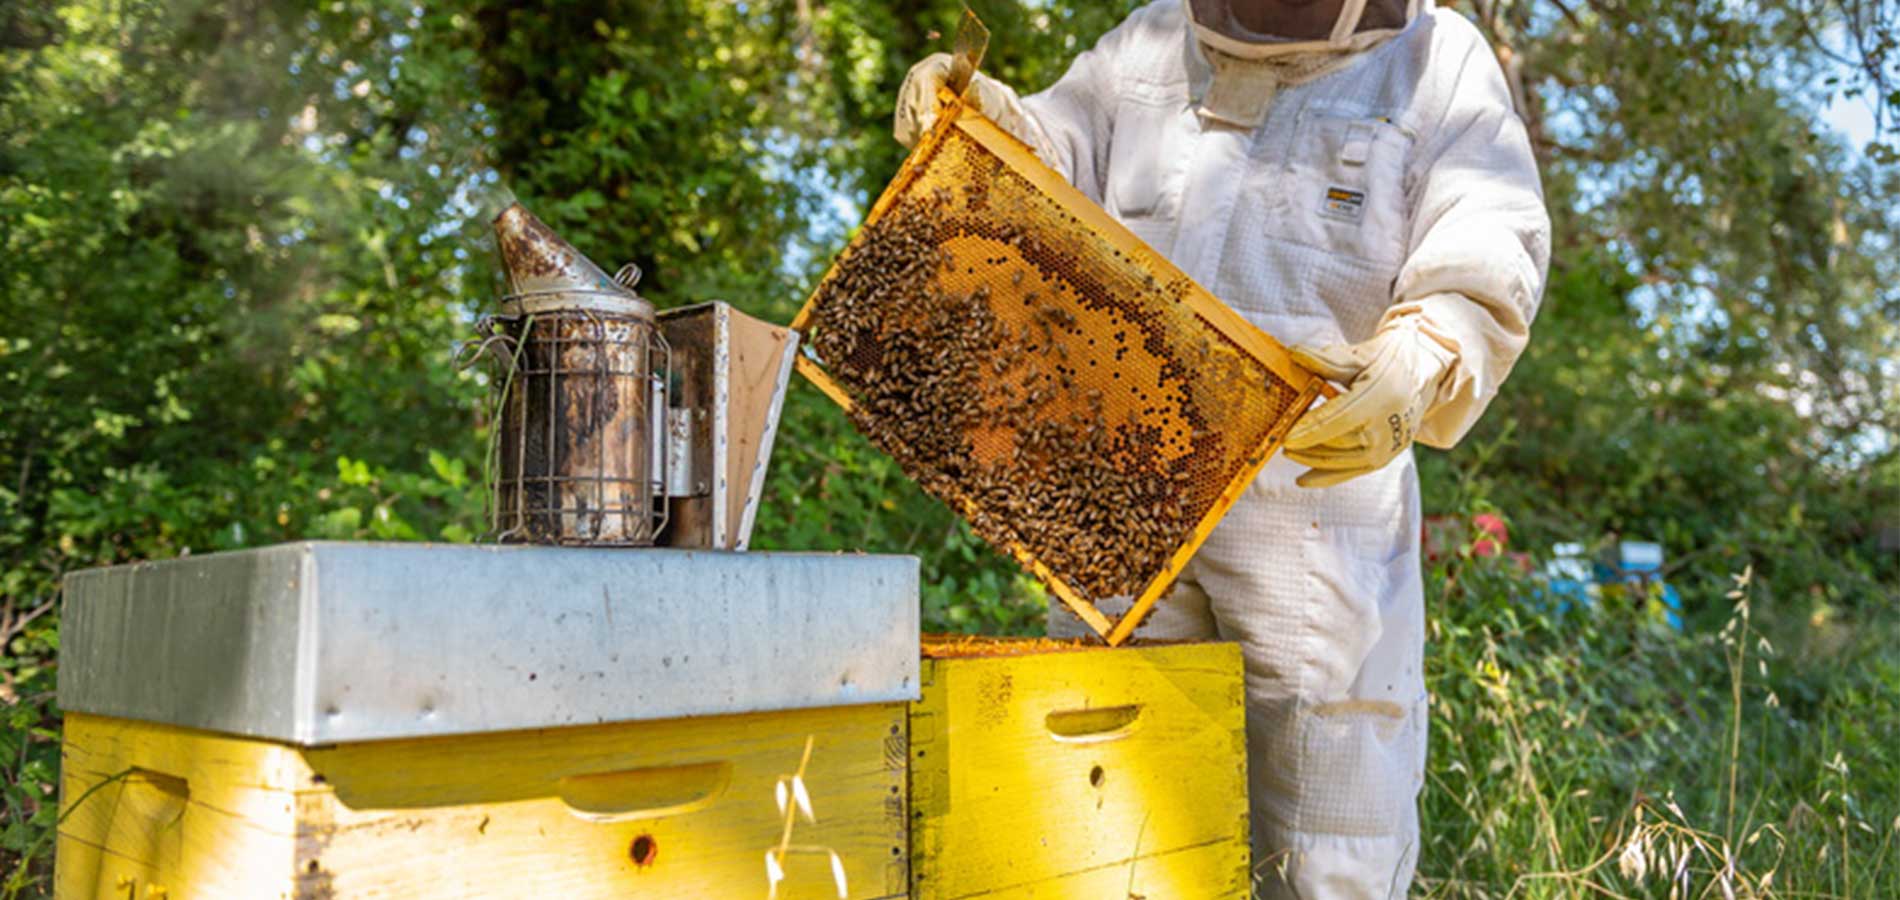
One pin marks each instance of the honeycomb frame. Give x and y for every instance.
(1142, 290)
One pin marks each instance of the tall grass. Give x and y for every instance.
(1598, 752)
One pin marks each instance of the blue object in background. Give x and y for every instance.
(1636, 567)
(1569, 576)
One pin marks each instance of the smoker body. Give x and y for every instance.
(578, 416)
(581, 397)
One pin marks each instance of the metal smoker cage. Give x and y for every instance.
(578, 454)
(1084, 404)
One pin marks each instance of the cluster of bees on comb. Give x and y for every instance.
(980, 400)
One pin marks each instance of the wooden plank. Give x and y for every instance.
(823, 382)
(1038, 774)
(681, 808)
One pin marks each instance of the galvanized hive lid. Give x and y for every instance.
(324, 642)
(546, 273)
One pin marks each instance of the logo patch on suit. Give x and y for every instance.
(1344, 204)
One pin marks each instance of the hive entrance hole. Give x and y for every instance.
(644, 850)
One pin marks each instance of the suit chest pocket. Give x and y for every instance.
(1147, 161)
(1345, 186)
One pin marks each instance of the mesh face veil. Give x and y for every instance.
(1359, 24)
(1249, 67)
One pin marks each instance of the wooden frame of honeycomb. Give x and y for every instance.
(1084, 404)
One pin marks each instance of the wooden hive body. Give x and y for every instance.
(680, 808)
(1080, 773)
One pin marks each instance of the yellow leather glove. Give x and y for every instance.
(917, 102)
(1391, 382)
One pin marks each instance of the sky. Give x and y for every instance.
(1854, 119)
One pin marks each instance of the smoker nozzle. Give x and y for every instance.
(539, 264)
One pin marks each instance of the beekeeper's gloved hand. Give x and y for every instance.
(1391, 381)
(917, 103)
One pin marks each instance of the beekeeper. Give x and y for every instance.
(1350, 176)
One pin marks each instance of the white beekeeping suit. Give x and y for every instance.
(1370, 193)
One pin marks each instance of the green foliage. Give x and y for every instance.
(217, 289)
(239, 242)
(1712, 367)
(647, 133)
(1609, 427)
(1590, 751)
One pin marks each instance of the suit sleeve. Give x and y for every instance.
(1074, 118)
(1479, 246)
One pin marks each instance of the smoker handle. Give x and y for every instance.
(660, 399)
(470, 352)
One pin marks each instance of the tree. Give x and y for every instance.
(215, 287)
(1721, 319)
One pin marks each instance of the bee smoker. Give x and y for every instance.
(615, 425)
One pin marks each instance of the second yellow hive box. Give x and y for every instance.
(1038, 770)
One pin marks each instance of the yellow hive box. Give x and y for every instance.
(1039, 770)
(680, 808)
